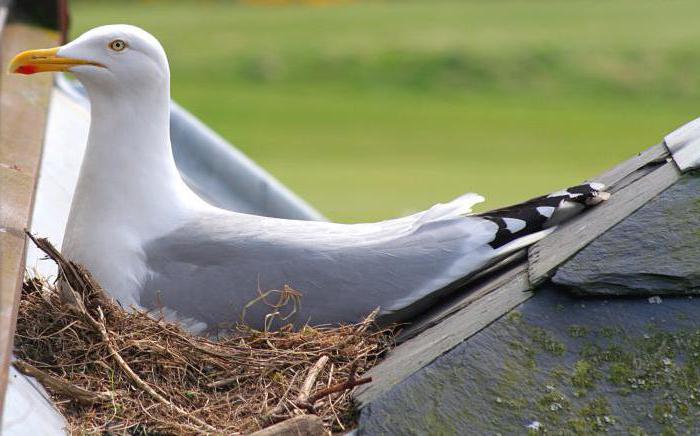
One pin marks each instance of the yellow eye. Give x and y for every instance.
(117, 45)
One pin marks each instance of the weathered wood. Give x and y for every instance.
(310, 425)
(310, 381)
(510, 267)
(23, 111)
(419, 351)
(568, 239)
(614, 175)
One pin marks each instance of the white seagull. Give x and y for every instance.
(152, 243)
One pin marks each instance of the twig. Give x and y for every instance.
(100, 325)
(338, 387)
(60, 386)
(76, 276)
(225, 381)
(276, 413)
(314, 371)
(350, 383)
(82, 337)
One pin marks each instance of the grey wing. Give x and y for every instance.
(212, 267)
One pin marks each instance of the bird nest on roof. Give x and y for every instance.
(114, 370)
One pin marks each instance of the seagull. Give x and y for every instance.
(154, 244)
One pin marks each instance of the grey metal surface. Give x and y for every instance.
(28, 410)
(227, 178)
(64, 145)
(216, 170)
(655, 251)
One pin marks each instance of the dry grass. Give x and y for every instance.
(127, 372)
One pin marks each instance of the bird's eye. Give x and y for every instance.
(117, 45)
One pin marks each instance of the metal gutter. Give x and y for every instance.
(216, 170)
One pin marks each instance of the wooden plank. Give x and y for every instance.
(419, 351)
(23, 111)
(656, 153)
(466, 296)
(568, 239)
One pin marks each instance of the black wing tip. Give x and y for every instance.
(544, 212)
(587, 194)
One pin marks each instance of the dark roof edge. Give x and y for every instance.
(633, 182)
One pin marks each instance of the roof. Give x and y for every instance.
(459, 363)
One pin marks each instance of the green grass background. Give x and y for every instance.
(371, 110)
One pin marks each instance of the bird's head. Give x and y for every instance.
(110, 58)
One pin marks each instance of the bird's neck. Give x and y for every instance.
(128, 184)
(129, 150)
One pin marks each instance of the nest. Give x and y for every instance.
(117, 371)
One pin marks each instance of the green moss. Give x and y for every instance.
(508, 393)
(636, 431)
(577, 331)
(547, 342)
(607, 332)
(553, 402)
(619, 373)
(578, 426)
(660, 369)
(597, 414)
(438, 423)
(559, 373)
(663, 412)
(515, 317)
(584, 375)
(668, 431)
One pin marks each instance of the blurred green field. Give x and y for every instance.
(371, 110)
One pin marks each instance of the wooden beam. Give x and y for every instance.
(474, 291)
(24, 102)
(419, 351)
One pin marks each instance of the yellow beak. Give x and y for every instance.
(40, 61)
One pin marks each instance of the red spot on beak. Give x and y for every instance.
(27, 69)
